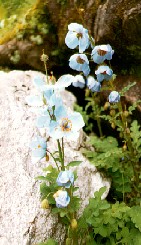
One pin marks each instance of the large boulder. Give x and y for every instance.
(23, 222)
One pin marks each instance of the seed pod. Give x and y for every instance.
(74, 224)
(45, 204)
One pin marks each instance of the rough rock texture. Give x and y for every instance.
(118, 23)
(22, 220)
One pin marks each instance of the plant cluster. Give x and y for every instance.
(101, 222)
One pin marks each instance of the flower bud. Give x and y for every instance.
(124, 147)
(68, 241)
(121, 135)
(127, 130)
(45, 204)
(44, 58)
(106, 106)
(114, 97)
(47, 157)
(87, 92)
(113, 125)
(74, 224)
(126, 113)
(112, 113)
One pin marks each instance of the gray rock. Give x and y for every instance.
(118, 22)
(23, 222)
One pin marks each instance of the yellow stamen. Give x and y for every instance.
(66, 125)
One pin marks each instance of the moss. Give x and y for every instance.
(21, 18)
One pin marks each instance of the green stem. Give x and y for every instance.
(123, 191)
(99, 126)
(126, 134)
(46, 72)
(61, 156)
(54, 160)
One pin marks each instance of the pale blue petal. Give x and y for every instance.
(43, 121)
(71, 40)
(75, 27)
(38, 82)
(34, 100)
(79, 81)
(39, 153)
(65, 80)
(77, 121)
(60, 112)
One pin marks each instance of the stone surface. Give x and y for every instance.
(118, 22)
(23, 222)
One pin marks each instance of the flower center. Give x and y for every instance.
(79, 60)
(101, 52)
(104, 73)
(79, 35)
(39, 146)
(66, 125)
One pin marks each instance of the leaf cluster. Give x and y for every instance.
(111, 159)
(110, 224)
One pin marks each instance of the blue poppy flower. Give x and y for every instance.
(43, 120)
(62, 199)
(80, 62)
(79, 81)
(54, 109)
(114, 97)
(93, 85)
(67, 126)
(77, 36)
(63, 82)
(38, 147)
(65, 178)
(103, 73)
(34, 100)
(101, 53)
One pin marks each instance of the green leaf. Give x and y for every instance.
(74, 163)
(135, 214)
(48, 242)
(125, 89)
(103, 145)
(40, 178)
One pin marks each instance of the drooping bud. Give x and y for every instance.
(127, 130)
(124, 147)
(74, 224)
(113, 125)
(47, 157)
(106, 106)
(126, 113)
(45, 204)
